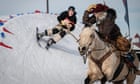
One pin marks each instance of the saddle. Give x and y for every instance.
(120, 43)
(123, 44)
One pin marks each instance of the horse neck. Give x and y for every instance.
(100, 48)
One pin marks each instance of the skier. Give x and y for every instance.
(67, 20)
(104, 17)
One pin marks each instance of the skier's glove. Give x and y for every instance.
(62, 22)
(65, 21)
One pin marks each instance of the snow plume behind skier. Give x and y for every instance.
(67, 20)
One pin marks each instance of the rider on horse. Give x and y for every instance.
(104, 17)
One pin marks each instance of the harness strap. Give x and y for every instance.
(105, 56)
(100, 62)
(119, 69)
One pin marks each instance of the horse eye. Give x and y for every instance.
(92, 36)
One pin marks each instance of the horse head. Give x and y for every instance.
(87, 37)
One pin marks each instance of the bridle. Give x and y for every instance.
(94, 49)
(91, 49)
(102, 59)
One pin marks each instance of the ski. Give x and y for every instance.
(40, 40)
(47, 46)
(37, 37)
(43, 43)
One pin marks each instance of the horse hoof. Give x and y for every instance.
(87, 80)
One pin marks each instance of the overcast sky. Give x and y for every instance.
(8, 7)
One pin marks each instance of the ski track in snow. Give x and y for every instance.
(27, 63)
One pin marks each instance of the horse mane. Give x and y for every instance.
(97, 33)
(92, 28)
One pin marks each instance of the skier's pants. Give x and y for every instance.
(58, 32)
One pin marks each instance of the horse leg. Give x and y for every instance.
(137, 72)
(119, 82)
(94, 73)
(87, 80)
(103, 80)
(130, 78)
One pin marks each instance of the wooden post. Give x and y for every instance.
(47, 6)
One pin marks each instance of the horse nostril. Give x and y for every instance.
(81, 48)
(84, 48)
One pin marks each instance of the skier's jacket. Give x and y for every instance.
(64, 15)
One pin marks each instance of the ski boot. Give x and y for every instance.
(49, 43)
(40, 35)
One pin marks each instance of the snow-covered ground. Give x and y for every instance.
(27, 63)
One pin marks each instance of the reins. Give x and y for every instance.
(90, 50)
(73, 36)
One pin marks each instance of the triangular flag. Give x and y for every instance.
(6, 30)
(4, 45)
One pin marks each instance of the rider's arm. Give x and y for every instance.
(73, 19)
(88, 20)
(62, 16)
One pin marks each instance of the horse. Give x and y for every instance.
(104, 61)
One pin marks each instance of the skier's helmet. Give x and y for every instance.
(71, 8)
